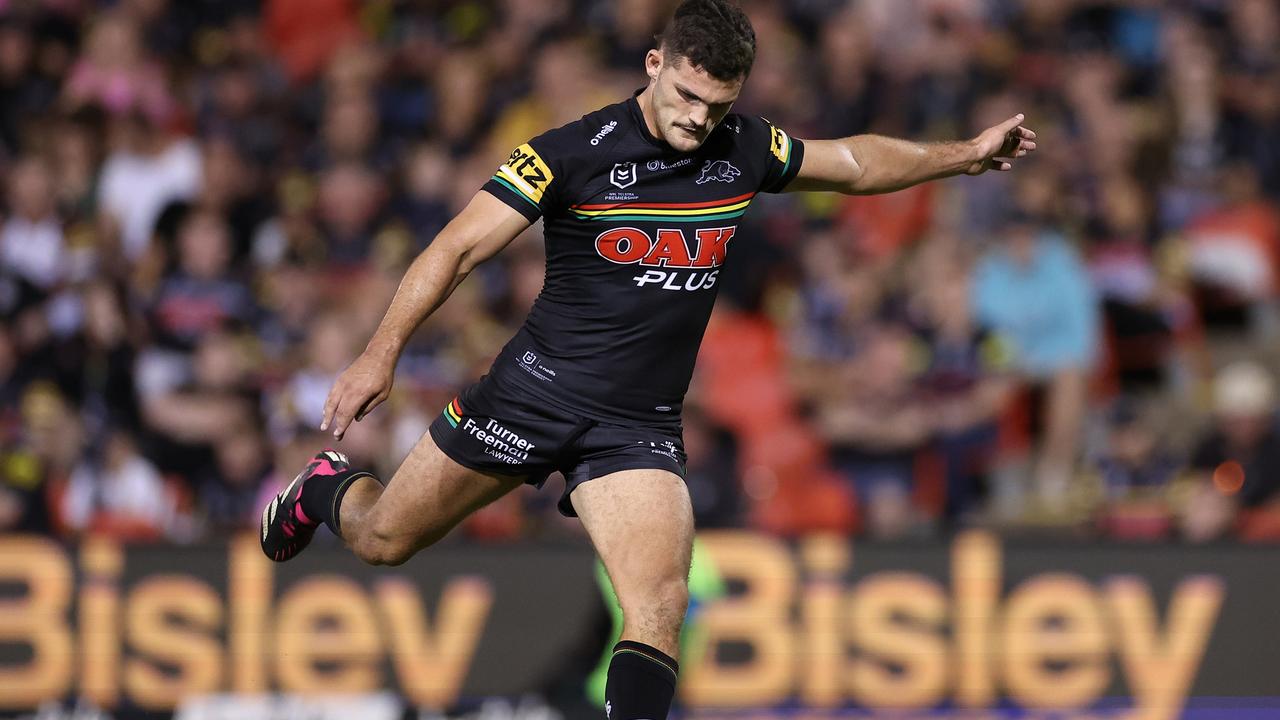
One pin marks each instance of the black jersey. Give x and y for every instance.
(636, 234)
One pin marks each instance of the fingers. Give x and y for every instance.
(368, 407)
(343, 420)
(335, 420)
(1015, 146)
(330, 407)
(337, 410)
(353, 407)
(1001, 164)
(1008, 125)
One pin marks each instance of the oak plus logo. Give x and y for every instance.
(670, 261)
(623, 175)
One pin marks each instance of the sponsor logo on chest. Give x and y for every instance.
(659, 165)
(668, 255)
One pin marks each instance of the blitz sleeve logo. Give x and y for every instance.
(527, 173)
(779, 144)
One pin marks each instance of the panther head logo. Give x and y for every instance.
(718, 170)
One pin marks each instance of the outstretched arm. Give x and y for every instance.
(868, 164)
(483, 228)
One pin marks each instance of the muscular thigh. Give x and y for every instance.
(641, 523)
(431, 493)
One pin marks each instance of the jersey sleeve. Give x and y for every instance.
(531, 178)
(780, 153)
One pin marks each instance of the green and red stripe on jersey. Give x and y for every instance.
(665, 212)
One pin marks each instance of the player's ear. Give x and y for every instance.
(653, 63)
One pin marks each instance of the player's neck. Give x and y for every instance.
(645, 100)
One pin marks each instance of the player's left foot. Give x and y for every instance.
(286, 528)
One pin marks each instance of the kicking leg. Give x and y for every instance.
(641, 522)
(426, 498)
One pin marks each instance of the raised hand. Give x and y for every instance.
(1000, 145)
(359, 389)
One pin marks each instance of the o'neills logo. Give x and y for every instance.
(604, 130)
(670, 249)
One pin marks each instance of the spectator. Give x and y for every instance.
(39, 445)
(22, 96)
(460, 80)
(94, 366)
(121, 494)
(237, 105)
(351, 199)
(231, 188)
(1251, 98)
(114, 74)
(1137, 472)
(841, 302)
(349, 134)
(1236, 464)
(1143, 313)
(1032, 289)
(24, 506)
(330, 348)
(31, 242)
(425, 202)
(1234, 254)
(965, 379)
(876, 423)
(77, 150)
(23, 488)
(186, 419)
(1193, 78)
(202, 294)
(228, 490)
(146, 169)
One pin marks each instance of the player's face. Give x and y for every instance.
(687, 102)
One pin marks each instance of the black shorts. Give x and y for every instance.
(495, 427)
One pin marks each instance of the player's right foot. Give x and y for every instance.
(286, 529)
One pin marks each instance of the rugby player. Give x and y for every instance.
(640, 202)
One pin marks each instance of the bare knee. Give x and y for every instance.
(381, 550)
(379, 545)
(658, 609)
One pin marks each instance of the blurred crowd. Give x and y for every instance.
(208, 204)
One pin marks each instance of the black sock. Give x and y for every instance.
(322, 496)
(642, 681)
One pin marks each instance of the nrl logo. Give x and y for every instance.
(623, 175)
(718, 170)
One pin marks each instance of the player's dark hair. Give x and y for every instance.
(714, 35)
